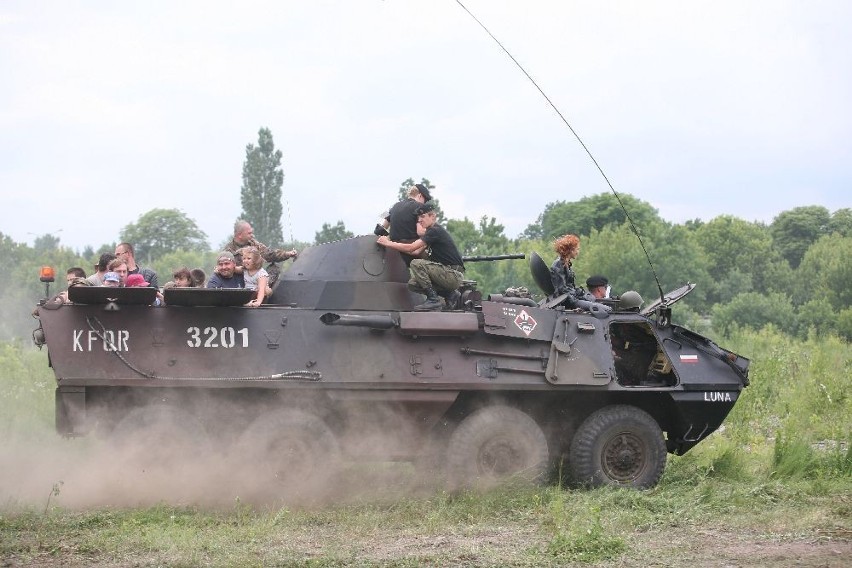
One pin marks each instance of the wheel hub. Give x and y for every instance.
(623, 457)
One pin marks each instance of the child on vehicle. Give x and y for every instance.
(256, 277)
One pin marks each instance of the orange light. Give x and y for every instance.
(47, 274)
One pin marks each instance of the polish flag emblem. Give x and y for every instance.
(689, 358)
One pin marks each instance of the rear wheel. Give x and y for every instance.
(494, 445)
(160, 436)
(618, 445)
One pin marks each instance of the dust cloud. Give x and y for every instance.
(167, 463)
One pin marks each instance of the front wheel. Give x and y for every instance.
(618, 445)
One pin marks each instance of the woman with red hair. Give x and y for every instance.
(561, 273)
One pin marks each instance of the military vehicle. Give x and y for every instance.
(338, 367)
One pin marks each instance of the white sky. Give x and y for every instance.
(701, 108)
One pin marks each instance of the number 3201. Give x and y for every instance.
(226, 337)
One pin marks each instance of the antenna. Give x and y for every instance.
(580, 140)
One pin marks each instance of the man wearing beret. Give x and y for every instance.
(598, 286)
(226, 275)
(402, 218)
(439, 275)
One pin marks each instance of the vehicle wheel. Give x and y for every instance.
(618, 445)
(160, 435)
(494, 445)
(291, 447)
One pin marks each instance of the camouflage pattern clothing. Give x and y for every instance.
(272, 256)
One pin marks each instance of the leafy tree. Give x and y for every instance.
(20, 288)
(260, 195)
(591, 212)
(406, 185)
(755, 310)
(816, 315)
(841, 222)
(46, 242)
(160, 231)
(484, 239)
(795, 230)
(740, 258)
(330, 233)
(826, 272)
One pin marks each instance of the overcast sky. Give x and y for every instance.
(701, 108)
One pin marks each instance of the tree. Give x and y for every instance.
(330, 233)
(795, 230)
(826, 272)
(484, 239)
(755, 310)
(161, 231)
(260, 195)
(592, 212)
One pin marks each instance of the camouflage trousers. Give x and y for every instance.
(426, 274)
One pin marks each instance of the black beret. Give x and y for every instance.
(424, 191)
(595, 281)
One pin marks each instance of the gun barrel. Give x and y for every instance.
(493, 257)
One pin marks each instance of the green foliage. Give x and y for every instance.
(260, 195)
(817, 316)
(754, 311)
(592, 212)
(581, 542)
(330, 233)
(161, 231)
(483, 239)
(26, 392)
(826, 272)
(20, 288)
(793, 231)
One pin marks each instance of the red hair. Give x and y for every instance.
(567, 246)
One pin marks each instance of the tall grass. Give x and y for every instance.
(780, 468)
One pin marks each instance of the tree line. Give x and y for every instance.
(792, 273)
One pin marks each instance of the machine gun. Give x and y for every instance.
(483, 258)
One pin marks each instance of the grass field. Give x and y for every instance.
(772, 488)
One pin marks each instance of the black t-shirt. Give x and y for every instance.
(444, 250)
(403, 221)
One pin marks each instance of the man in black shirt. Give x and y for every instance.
(402, 218)
(442, 272)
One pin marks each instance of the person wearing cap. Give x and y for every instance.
(119, 266)
(402, 219)
(244, 237)
(226, 275)
(439, 275)
(138, 281)
(112, 279)
(598, 286)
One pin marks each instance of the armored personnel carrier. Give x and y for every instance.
(339, 367)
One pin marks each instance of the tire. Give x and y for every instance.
(160, 436)
(291, 448)
(618, 445)
(494, 445)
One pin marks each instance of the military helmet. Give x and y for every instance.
(630, 300)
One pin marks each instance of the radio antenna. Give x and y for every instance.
(580, 140)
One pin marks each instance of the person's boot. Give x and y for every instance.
(452, 300)
(433, 302)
